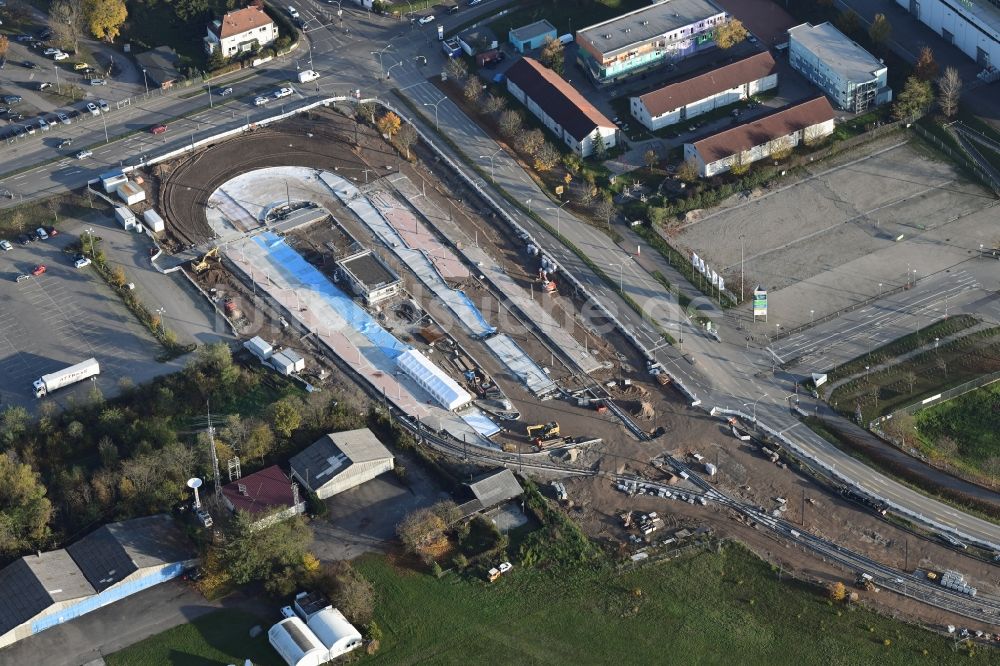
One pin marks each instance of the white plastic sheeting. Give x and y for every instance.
(483, 424)
(432, 379)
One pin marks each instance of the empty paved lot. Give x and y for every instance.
(62, 317)
(827, 241)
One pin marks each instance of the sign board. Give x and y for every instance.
(441, 33)
(559, 190)
(760, 302)
(819, 379)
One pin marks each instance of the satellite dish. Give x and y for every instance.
(194, 483)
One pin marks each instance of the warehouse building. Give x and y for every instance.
(433, 379)
(268, 494)
(850, 76)
(41, 591)
(491, 490)
(531, 36)
(647, 38)
(972, 27)
(369, 277)
(747, 143)
(560, 107)
(340, 461)
(693, 96)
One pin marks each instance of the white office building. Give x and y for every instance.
(852, 78)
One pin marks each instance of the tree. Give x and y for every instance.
(780, 148)
(285, 416)
(837, 591)
(456, 68)
(66, 23)
(13, 421)
(729, 34)
(493, 104)
(4, 45)
(546, 157)
(847, 22)
(347, 590)
(366, 111)
(926, 68)
(740, 164)
(406, 137)
(687, 172)
(118, 277)
(604, 208)
(259, 442)
(650, 158)
(389, 124)
(529, 142)
(105, 17)
(879, 31)
(423, 530)
(949, 91)
(24, 509)
(914, 100)
(553, 55)
(251, 552)
(473, 89)
(600, 147)
(510, 123)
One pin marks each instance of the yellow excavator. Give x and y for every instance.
(201, 265)
(548, 429)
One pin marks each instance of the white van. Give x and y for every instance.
(308, 75)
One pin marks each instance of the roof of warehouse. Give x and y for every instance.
(370, 270)
(33, 583)
(557, 98)
(335, 452)
(645, 24)
(758, 132)
(837, 51)
(115, 551)
(262, 491)
(532, 30)
(433, 379)
(496, 487)
(701, 86)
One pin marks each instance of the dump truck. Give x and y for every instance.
(71, 375)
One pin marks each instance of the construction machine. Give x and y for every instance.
(201, 265)
(548, 429)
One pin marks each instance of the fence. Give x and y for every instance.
(950, 394)
(961, 158)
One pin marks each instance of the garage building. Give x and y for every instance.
(340, 461)
(297, 644)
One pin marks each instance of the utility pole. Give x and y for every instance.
(215, 457)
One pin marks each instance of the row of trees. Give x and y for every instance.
(68, 19)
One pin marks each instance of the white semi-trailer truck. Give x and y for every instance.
(48, 383)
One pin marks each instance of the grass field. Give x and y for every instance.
(710, 609)
(218, 638)
(970, 421)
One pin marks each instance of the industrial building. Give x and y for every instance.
(705, 92)
(530, 37)
(850, 76)
(972, 27)
(369, 277)
(491, 490)
(433, 379)
(647, 38)
(478, 39)
(560, 107)
(269, 494)
(340, 461)
(747, 143)
(120, 559)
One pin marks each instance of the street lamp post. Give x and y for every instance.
(558, 210)
(493, 173)
(160, 312)
(145, 81)
(621, 275)
(435, 105)
(90, 232)
(389, 71)
(754, 413)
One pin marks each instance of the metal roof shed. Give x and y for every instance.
(432, 379)
(341, 461)
(297, 644)
(259, 348)
(337, 634)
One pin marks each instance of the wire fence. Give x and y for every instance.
(950, 394)
(963, 158)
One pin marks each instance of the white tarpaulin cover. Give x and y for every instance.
(432, 379)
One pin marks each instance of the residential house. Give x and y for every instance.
(241, 31)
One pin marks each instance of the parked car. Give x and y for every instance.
(49, 51)
(53, 232)
(63, 118)
(41, 233)
(226, 92)
(424, 20)
(204, 517)
(98, 82)
(283, 92)
(83, 154)
(158, 129)
(44, 85)
(6, 246)
(12, 99)
(29, 64)
(94, 111)
(66, 143)
(22, 277)
(24, 239)
(104, 105)
(82, 263)
(81, 65)
(260, 101)
(60, 56)
(39, 269)
(286, 612)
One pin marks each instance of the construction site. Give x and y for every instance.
(395, 277)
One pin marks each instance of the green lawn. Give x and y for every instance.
(154, 24)
(219, 638)
(709, 609)
(971, 421)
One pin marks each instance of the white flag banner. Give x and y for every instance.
(715, 278)
(702, 267)
(694, 260)
(722, 284)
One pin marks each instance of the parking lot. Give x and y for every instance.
(61, 317)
